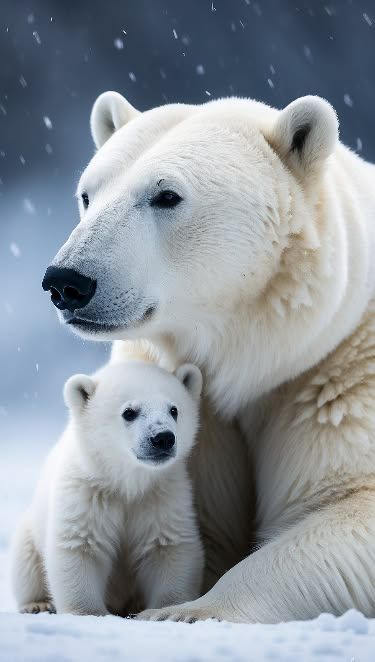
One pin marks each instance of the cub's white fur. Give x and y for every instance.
(263, 274)
(112, 525)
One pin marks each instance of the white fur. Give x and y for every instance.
(264, 276)
(107, 531)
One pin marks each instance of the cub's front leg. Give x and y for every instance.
(171, 574)
(81, 540)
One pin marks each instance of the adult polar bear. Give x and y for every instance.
(242, 238)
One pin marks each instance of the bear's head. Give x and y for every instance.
(135, 414)
(196, 220)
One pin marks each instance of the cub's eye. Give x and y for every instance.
(130, 414)
(166, 200)
(85, 200)
(174, 412)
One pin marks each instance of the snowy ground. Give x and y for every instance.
(51, 638)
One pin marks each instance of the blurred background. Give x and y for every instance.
(56, 57)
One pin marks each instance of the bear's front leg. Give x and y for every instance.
(28, 576)
(79, 554)
(325, 563)
(171, 574)
(77, 580)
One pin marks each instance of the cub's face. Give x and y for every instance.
(183, 212)
(136, 413)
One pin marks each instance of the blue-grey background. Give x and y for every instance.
(57, 56)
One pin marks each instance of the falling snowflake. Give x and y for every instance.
(22, 159)
(132, 76)
(208, 93)
(367, 19)
(200, 70)
(15, 249)
(348, 101)
(28, 206)
(37, 37)
(308, 54)
(48, 148)
(359, 145)
(118, 43)
(30, 19)
(23, 82)
(47, 122)
(331, 11)
(175, 34)
(270, 83)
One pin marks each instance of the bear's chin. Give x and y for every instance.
(87, 328)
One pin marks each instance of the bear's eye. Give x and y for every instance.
(130, 414)
(85, 200)
(166, 200)
(174, 412)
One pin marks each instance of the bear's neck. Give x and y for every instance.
(315, 300)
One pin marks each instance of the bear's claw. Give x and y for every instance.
(37, 607)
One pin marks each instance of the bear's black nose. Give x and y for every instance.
(163, 441)
(69, 289)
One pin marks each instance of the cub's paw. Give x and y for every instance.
(189, 612)
(37, 607)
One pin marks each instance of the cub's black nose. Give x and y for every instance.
(163, 441)
(69, 289)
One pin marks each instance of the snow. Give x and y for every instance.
(37, 37)
(348, 101)
(15, 249)
(47, 122)
(50, 638)
(28, 206)
(367, 19)
(65, 638)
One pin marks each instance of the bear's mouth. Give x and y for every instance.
(88, 326)
(92, 327)
(157, 458)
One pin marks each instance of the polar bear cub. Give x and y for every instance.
(112, 526)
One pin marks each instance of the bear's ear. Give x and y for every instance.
(191, 377)
(109, 113)
(77, 391)
(306, 133)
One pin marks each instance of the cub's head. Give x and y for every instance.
(136, 413)
(185, 212)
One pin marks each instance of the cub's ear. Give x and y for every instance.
(191, 377)
(109, 113)
(77, 391)
(306, 133)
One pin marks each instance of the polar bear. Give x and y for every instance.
(112, 524)
(241, 237)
